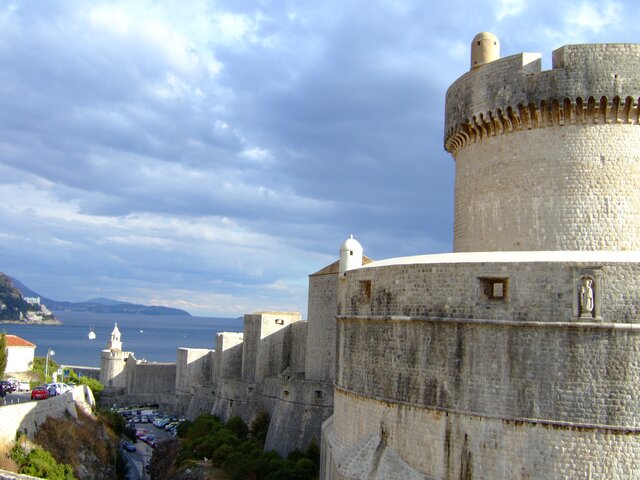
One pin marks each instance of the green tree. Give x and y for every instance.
(39, 366)
(3, 354)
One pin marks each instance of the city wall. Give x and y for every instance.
(26, 417)
(461, 446)
(536, 286)
(492, 364)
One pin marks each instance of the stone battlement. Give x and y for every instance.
(595, 83)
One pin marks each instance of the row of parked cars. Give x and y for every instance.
(169, 423)
(14, 385)
(47, 390)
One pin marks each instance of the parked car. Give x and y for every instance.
(15, 383)
(40, 393)
(129, 446)
(53, 389)
(7, 386)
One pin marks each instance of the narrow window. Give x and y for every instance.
(365, 290)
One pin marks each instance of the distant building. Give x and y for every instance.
(32, 300)
(20, 354)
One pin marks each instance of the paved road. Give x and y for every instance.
(17, 397)
(143, 453)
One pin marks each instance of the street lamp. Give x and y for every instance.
(50, 353)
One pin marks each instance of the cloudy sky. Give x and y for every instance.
(210, 155)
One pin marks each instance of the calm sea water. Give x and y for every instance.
(152, 337)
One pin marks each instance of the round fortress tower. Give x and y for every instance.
(518, 355)
(574, 129)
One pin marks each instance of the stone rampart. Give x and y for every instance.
(27, 417)
(237, 398)
(297, 408)
(201, 402)
(460, 445)
(536, 286)
(493, 363)
(579, 375)
(193, 368)
(321, 330)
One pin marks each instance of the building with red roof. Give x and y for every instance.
(20, 353)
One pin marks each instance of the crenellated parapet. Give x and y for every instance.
(588, 84)
(550, 112)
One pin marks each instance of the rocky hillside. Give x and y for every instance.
(12, 305)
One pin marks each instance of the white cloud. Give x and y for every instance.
(594, 16)
(509, 8)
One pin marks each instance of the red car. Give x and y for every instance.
(39, 393)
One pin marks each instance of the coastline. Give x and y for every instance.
(22, 322)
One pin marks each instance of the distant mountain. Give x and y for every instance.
(105, 301)
(98, 305)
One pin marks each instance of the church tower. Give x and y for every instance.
(112, 362)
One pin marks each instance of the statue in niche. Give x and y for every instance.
(586, 297)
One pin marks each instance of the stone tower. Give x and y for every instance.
(518, 355)
(112, 362)
(548, 160)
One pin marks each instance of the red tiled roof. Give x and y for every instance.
(15, 341)
(335, 266)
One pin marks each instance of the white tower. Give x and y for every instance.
(350, 255)
(114, 343)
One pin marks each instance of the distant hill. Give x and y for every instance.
(14, 308)
(98, 305)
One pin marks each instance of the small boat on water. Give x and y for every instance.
(92, 334)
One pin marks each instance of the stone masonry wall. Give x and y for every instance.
(498, 205)
(467, 447)
(321, 330)
(559, 373)
(535, 291)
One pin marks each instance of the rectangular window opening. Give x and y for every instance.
(365, 290)
(494, 289)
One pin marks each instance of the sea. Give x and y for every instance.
(154, 338)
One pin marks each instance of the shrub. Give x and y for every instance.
(237, 426)
(40, 463)
(95, 386)
(241, 455)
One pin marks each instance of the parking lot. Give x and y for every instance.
(151, 428)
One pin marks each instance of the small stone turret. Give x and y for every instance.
(350, 255)
(485, 48)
